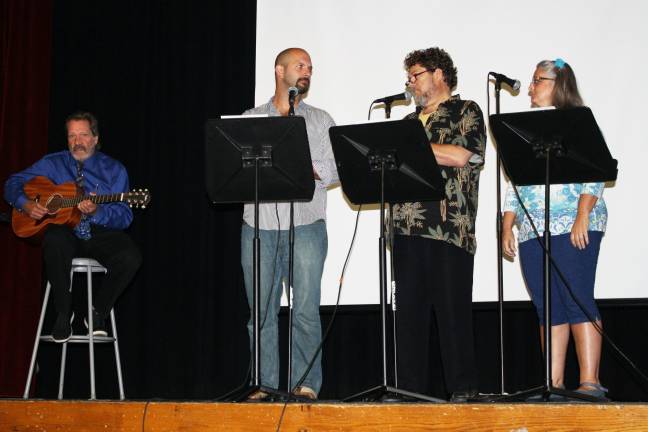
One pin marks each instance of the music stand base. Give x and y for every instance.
(389, 394)
(544, 394)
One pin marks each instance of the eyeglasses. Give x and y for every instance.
(412, 78)
(536, 81)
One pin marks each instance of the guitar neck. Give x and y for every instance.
(97, 199)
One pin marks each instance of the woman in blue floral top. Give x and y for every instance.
(577, 223)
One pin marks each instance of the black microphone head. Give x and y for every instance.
(406, 96)
(293, 91)
(501, 78)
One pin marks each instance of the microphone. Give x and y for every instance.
(406, 95)
(292, 94)
(513, 83)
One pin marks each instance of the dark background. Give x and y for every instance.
(153, 72)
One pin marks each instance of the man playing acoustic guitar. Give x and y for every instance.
(97, 235)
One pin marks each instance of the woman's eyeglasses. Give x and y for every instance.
(538, 80)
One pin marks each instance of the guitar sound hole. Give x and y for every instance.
(54, 203)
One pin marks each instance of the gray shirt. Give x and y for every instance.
(318, 123)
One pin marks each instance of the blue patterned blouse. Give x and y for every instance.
(564, 206)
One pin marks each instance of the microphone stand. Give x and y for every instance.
(500, 270)
(291, 250)
(388, 105)
(498, 222)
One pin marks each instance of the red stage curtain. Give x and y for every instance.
(25, 51)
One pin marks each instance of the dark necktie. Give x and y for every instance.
(82, 230)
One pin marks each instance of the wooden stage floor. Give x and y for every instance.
(80, 416)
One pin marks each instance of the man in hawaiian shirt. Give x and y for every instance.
(434, 242)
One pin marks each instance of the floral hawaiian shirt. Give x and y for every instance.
(452, 220)
(563, 207)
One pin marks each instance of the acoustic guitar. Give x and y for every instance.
(61, 203)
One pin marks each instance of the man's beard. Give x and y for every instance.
(421, 100)
(303, 84)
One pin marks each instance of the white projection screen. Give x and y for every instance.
(358, 47)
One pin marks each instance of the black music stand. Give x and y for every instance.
(254, 160)
(547, 147)
(378, 162)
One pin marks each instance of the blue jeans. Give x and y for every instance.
(310, 252)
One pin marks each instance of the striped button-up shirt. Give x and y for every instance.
(318, 123)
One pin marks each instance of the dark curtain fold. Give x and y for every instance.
(25, 49)
(153, 72)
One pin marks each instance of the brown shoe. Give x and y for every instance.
(258, 396)
(306, 392)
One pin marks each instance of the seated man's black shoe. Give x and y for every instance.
(62, 330)
(463, 396)
(98, 324)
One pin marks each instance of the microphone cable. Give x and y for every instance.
(330, 324)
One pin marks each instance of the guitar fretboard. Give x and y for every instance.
(97, 199)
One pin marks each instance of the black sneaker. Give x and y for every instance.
(98, 324)
(62, 330)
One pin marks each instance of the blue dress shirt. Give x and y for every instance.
(103, 175)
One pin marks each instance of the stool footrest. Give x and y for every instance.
(80, 339)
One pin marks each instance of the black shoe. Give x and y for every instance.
(463, 396)
(98, 324)
(62, 330)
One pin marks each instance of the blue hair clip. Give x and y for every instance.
(559, 63)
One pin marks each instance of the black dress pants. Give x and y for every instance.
(434, 276)
(113, 249)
